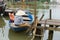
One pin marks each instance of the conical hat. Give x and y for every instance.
(20, 12)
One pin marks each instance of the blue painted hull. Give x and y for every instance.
(16, 29)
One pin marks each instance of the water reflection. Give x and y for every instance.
(17, 35)
(4, 31)
(1, 35)
(7, 34)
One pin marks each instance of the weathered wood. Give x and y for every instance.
(50, 14)
(41, 17)
(21, 25)
(42, 33)
(49, 28)
(35, 21)
(50, 35)
(50, 22)
(39, 35)
(34, 31)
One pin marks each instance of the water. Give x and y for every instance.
(7, 34)
(55, 15)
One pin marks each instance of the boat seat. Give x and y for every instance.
(24, 25)
(21, 25)
(24, 15)
(26, 19)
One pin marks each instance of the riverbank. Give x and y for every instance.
(27, 5)
(2, 23)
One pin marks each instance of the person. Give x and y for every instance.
(11, 16)
(18, 20)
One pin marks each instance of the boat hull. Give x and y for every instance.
(16, 28)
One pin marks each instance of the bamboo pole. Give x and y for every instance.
(35, 23)
(50, 37)
(23, 5)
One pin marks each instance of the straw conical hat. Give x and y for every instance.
(20, 12)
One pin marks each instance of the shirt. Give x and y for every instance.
(18, 20)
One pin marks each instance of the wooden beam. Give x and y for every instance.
(53, 29)
(50, 22)
(50, 34)
(50, 28)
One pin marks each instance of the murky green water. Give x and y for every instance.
(7, 34)
(2, 23)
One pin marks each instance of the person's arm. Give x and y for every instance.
(23, 24)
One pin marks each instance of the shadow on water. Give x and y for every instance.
(17, 35)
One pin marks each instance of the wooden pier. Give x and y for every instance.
(50, 22)
(53, 25)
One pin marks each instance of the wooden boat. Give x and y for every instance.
(26, 18)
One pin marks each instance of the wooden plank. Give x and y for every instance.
(26, 18)
(20, 26)
(50, 22)
(39, 35)
(50, 28)
(53, 29)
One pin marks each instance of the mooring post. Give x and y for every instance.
(35, 21)
(50, 35)
(50, 14)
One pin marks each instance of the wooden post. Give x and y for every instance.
(50, 36)
(23, 4)
(50, 14)
(35, 22)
